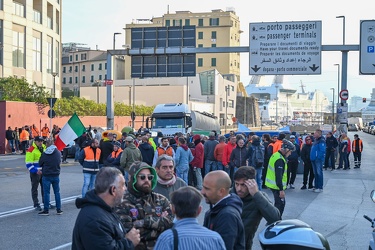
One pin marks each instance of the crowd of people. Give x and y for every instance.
(141, 192)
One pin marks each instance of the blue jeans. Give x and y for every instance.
(220, 166)
(210, 166)
(76, 156)
(88, 182)
(11, 145)
(183, 174)
(258, 177)
(55, 181)
(318, 173)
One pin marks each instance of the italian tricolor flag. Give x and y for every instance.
(71, 130)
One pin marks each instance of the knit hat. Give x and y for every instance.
(196, 137)
(136, 167)
(288, 145)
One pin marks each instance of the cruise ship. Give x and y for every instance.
(279, 103)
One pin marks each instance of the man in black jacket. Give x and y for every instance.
(97, 226)
(256, 204)
(10, 136)
(224, 216)
(50, 163)
(331, 145)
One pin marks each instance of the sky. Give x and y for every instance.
(93, 22)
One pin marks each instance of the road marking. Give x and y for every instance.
(62, 246)
(30, 208)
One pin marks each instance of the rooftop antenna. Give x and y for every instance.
(302, 87)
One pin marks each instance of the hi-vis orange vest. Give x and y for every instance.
(354, 145)
(45, 131)
(89, 154)
(116, 153)
(169, 151)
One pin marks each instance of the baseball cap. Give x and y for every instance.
(292, 137)
(288, 145)
(38, 138)
(129, 138)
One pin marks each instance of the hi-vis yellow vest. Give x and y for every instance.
(271, 176)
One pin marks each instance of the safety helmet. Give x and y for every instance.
(288, 145)
(292, 235)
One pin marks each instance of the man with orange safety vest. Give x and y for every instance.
(45, 131)
(89, 159)
(357, 147)
(163, 149)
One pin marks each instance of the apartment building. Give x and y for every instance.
(30, 38)
(217, 28)
(82, 67)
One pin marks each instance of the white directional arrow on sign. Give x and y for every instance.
(344, 94)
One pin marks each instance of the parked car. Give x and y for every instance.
(71, 149)
(352, 127)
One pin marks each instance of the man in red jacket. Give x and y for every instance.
(227, 151)
(197, 162)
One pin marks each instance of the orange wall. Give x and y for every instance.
(18, 114)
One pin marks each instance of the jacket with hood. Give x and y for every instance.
(253, 210)
(318, 149)
(225, 219)
(183, 157)
(238, 157)
(251, 156)
(50, 162)
(139, 206)
(130, 154)
(97, 226)
(147, 152)
(209, 148)
(198, 154)
(106, 146)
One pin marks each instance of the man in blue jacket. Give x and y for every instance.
(317, 156)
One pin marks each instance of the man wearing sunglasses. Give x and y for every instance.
(142, 208)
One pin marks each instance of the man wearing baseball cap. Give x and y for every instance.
(142, 208)
(277, 177)
(130, 154)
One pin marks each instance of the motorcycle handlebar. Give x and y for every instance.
(367, 218)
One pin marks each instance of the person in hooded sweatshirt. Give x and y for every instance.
(147, 151)
(224, 216)
(50, 161)
(183, 158)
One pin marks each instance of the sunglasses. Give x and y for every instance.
(143, 177)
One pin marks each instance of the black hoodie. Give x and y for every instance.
(97, 226)
(225, 219)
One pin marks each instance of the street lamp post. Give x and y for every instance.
(333, 109)
(226, 108)
(338, 81)
(97, 90)
(277, 99)
(54, 74)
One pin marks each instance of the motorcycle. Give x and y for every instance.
(372, 241)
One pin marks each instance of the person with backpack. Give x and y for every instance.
(256, 158)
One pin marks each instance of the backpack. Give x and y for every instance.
(258, 156)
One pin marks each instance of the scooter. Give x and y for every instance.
(372, 243)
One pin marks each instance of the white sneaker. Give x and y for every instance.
(318, 190)
(311, 189)
(291, 186)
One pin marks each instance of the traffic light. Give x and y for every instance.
(364, 99)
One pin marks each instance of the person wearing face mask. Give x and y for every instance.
(142, 208)
(307, 165)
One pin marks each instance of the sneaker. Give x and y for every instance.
(303, 187)
(318, 190)
(59, 212)
(291, 186)
(312, 189)
(37, 208)
(44, 213)
(51, 206)
(65, 162)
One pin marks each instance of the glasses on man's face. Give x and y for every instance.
(143, 177)
(167, 167)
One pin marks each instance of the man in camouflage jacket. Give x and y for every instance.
(142, 208)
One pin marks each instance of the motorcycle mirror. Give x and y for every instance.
(372, 195)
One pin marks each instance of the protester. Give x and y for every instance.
(210, 163)
(97, 226)
(357, 148)
(113, 159)
(130, 155)
(186, 232)
(183, 158)
(50, 167)
(147, 151)
(10, 135)
(331, 145)
(293, 162)
(224, 216)
(89, 159)
(163, 148)
(317, 156)
(307, 165)
(198, 161)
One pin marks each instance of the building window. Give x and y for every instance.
(19, 48)
(70, 69)
(213, 45)
(70, 58)
(92, 79)
(100, 77)
(200, 62)
(83, 79)
(83, 56)
(57, 57)
(92, 67)
(83, 67)
(187, 22)
(213, 62)
(167, 23)
(70, 80)
(49, 54)
(76, 57)
(64, 69)
(214, 21)
(105, 66)
(49, 22)
(76, 79)
(100, 66)
(177, 22)
(200, 45)
(64, 80)
(200, 35)
(76, 68)
(37, 55)
(37, 17)
(200, 22)
(213, 35)
(18, 9)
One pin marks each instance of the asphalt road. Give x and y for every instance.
(337, 213)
